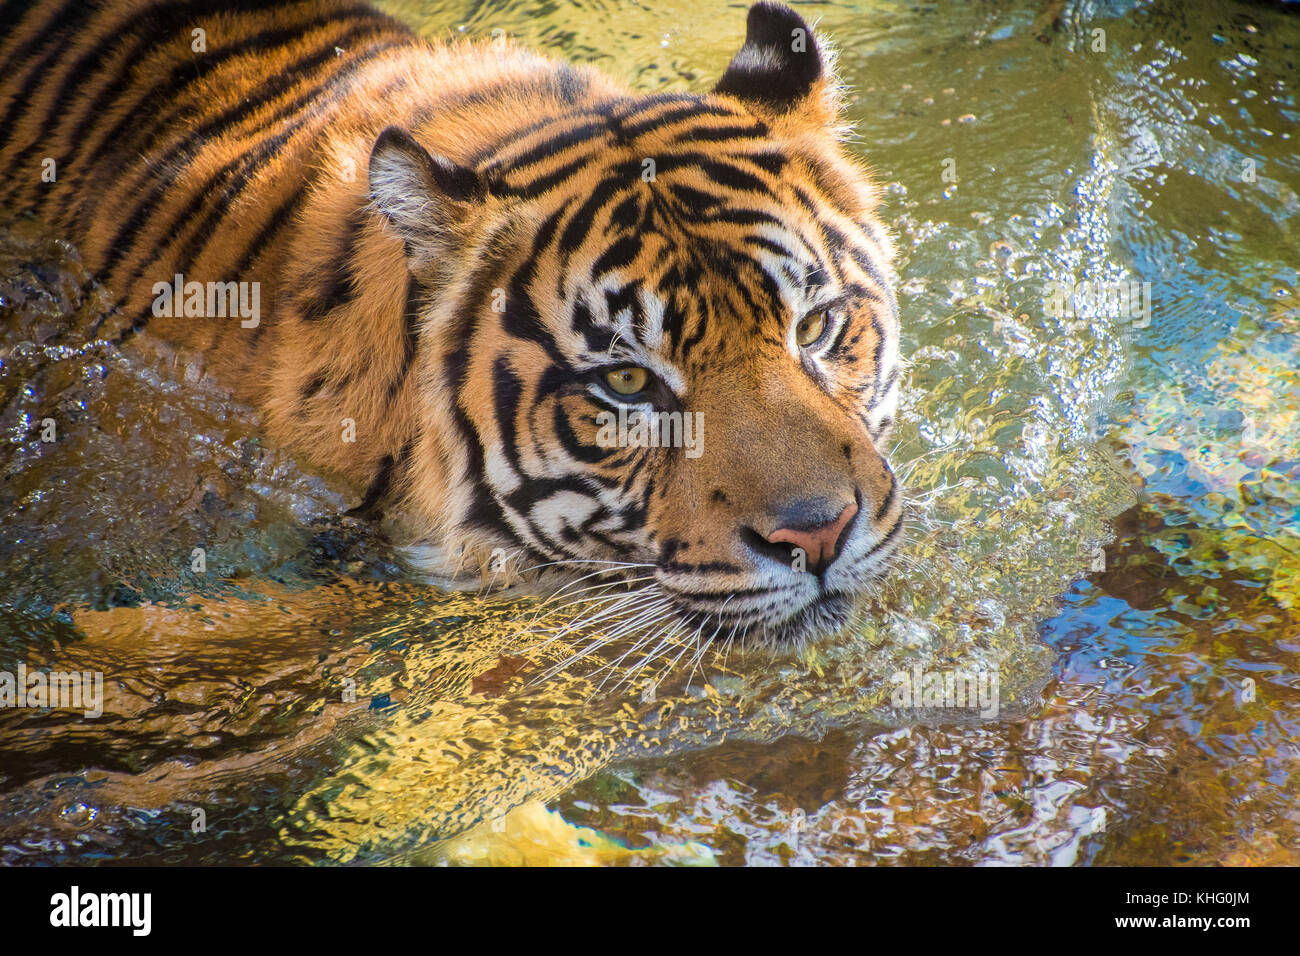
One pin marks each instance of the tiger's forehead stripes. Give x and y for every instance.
(658, 236)
(627, 121)
(666, 308)
(654, 258)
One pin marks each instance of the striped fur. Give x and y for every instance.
(457, 285)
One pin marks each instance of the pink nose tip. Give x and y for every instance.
(820, 544)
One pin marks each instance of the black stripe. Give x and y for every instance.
(880, 393)
(766, 283)
(889, 537)
(383, 482)
(839, 336)
(625, 297)
(627, 214)
(701, 328)
(580, 223)
(716, 134)
(507, 399)
(844, 246)
(340, 285)
(523, 321)
(14, 12)
(312, 388)
(711, 567)
(762, 242)
(375, 493)
(888, 502)
(137, 117)
(154, 21)
(695, 202)
(547, 148)
(268, 231)
(622, 252)
(272, 226)
(569, 441)
(771, 163)
(410, 336)
(289, 79)
(724, 173)
(632, 128)
(745, 217)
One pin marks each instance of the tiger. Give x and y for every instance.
(478, 259)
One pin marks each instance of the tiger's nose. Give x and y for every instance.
(820, 542)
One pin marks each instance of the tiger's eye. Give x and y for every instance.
(627, 380)
(810, 329)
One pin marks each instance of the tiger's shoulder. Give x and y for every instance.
(209, 161)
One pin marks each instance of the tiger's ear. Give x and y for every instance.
(779, 69)
(420, 194)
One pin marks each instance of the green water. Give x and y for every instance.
(1106, 513)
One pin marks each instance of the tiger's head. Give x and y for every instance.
(667, 346)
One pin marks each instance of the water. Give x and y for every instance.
(1107, 515)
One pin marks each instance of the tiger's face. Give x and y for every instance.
(675, 356)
